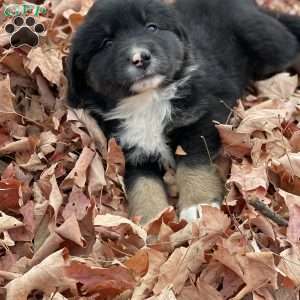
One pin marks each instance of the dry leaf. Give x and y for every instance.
(8, 222)
(92, 280)
(280, 86)
(48, 60)
(46, 276)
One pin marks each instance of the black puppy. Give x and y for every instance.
(154, 76)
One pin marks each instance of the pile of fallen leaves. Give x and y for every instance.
(64, 231)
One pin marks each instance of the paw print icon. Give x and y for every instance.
(24, 32)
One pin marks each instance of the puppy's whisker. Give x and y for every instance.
(207, 149)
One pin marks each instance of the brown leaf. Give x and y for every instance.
(70, 230)
(156, 259)
(184, 261)
(48, 60)
(78, 204)
(293, 204)
(93, 280)
(248, 178)
(280, 86)
(34, 164)
(55, 198)
(8, 222)
(138, 263)
(234, 143)
(92, 127)
(256, 269)
(6, 103)
(290, 264)
(285, 172)
(78, 174)
(46, 276)
(267, 116)
(24, 144)
(115, 160)
(166, 294)
(114, 221)
(9, 194)
(207, 292)
(96, 177)
(60, 6)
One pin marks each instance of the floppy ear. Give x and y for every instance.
(76, 81)
(181, 32)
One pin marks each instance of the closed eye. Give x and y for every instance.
(152, 27)
(106, 43)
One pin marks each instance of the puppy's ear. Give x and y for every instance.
(75, 80)
(181, 32)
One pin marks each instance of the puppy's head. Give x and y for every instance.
(126, 47)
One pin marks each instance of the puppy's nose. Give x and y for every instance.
(141, 58)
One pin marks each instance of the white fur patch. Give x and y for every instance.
(143, 119)
(147, 84)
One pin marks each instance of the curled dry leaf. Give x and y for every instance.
(61, 6)
(92, 127)
(6, 103)
(48, 276)
(7, 222)
(78, 204)
(115, 160)
(69, 230)
(139, 262)
(166, 294)
(114, 221)
(94, 280)
(96, 176)
(234, 143)
(248, 178)
(24, 144)
(9, 194)
(55, 198)
(78, 174)
(256, 269)
(285, 172)
(267, 116)
(281, 86)
(290, 264)
(184, 261)
(293, 204)
(145, 286)
(48, 60)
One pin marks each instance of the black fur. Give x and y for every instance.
(232, 42)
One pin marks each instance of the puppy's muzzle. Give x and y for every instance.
(141, 58)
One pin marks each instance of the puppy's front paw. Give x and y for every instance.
(189, 214)
(194, 212)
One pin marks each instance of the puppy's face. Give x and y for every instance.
(128, 46)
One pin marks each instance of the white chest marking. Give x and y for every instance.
(143, 119)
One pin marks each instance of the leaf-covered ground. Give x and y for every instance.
(64, 231)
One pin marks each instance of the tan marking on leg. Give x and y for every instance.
(147, 198)
(199, 185)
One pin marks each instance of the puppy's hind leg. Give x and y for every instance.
(146, 193)
(270, 45)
